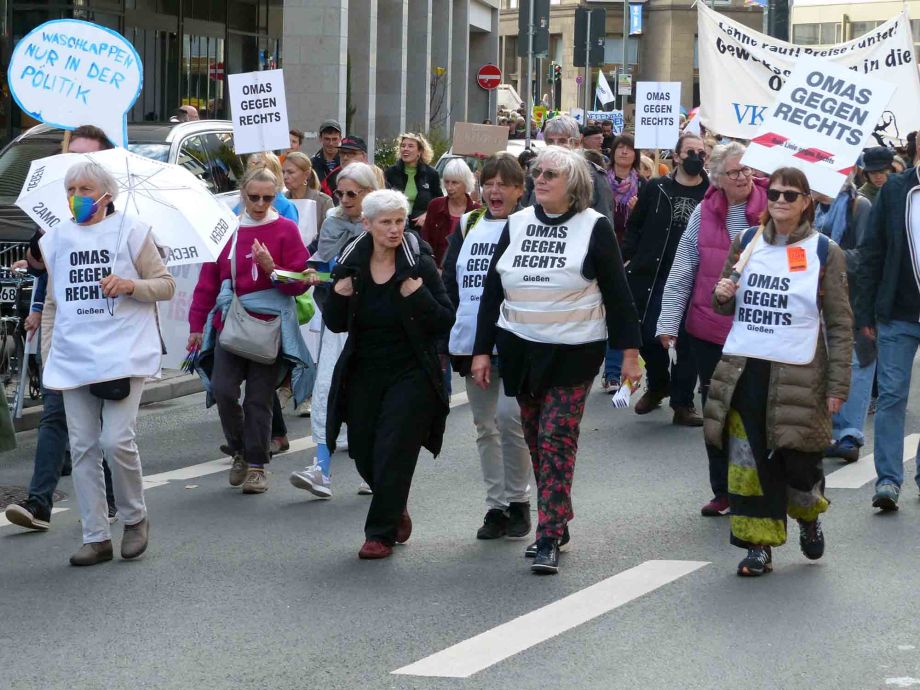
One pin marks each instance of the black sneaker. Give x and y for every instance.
(494, 525)
(811, 539)
(518, 521)
(546, 562)
(759, 560)
(29, 514)
(531, 551)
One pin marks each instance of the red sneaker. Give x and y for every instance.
(375, 549)
(404, 529)
(717, 506)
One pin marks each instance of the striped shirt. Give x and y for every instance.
(679, 288)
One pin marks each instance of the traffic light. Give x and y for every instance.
(557, 73)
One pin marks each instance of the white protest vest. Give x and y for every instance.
(776, 304)
(547, 299)
(472, 267)
(89, 344)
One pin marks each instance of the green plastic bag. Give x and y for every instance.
(306, 307)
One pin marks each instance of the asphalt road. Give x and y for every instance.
(267, 591)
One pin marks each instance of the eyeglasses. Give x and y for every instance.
(700, 154)
(548, 175)
(739, 173)
(338, 194)
(265, 198)
(789, 195)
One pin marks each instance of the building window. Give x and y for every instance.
(816, 34)
(857, 29)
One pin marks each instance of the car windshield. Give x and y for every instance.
(158, 152)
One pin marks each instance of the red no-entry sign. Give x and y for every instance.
(489, 77)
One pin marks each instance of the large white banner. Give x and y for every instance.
(820, 122)
(742, 71)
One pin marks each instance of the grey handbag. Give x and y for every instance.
(244, 335)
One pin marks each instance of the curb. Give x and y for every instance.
(158, 391)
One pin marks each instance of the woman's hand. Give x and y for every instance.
(631, 372)
(834, 404)
(409, 285)
(113, 286)
(32, 323)
(869, 332)
(194, 342)
(667, 341)
(420, 220)
(312, 277)
(262, 257)
(725, 290)
(344, 287)
(632, 202)
(481, 370)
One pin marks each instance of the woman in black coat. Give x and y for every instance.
(413, 176)
(387, 385)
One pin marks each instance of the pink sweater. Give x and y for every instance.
(281, 237)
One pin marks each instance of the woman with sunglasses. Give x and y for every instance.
(555, 296)
(734, 202)
(785, 370)
(342, 225)
(264, 242)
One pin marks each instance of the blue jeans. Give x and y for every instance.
(50, 449)
(613, 364)
(852, 416)
(897, 345)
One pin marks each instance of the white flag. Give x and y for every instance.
(603, 92)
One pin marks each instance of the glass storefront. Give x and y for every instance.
(187, 48)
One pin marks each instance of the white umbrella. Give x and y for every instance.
(186, 218)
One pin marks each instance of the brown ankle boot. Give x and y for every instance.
(687, 416)
(93, 553)
(650, 400)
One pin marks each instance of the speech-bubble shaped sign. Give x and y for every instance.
(68, 73)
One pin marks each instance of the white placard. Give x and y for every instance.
(259, 109)
(821, 120)
(742, 71)
(306, 213)
(174, 314)
(657, 114)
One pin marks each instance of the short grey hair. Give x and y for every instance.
(363, 175)
(579, 185)
(564, 125)
(90, 170)
(384, 201)
(457, 169)
(719, 156)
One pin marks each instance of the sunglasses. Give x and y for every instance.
(789, 195)
(265, 198)
(338, 194)
(548, 175)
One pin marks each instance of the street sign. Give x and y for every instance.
(579, 80)
(624, 84)
(489, 77)
(216, 71)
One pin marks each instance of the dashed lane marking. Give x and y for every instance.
(861, 472)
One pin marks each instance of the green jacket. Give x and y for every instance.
(797, 416)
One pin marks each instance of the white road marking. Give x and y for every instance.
(464, 659)
(906, 682)
(861, 472)
(54, 511)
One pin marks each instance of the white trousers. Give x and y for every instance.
(105, 427)
(503, 452)
(331, 346)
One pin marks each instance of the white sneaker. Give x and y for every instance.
(305, 408)
(313, 480)
(284, 396)
(364, 489)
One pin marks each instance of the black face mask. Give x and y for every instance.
(693, 164)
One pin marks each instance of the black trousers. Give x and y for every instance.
(707, 356)
(389, 415)
(679, 380)
(279, 427)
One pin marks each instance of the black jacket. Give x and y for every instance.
(884, 274)
(426, 316)
(648, 246)
(427, 185)
(319, 165)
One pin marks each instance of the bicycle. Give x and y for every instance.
(18, 370)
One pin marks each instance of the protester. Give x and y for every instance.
(296, 140)
(844, 219)
(301, 182)
(263, 242)
(653, 231)
(774, 421)
(271, 162)
(342, 225)
(877, 165)
(351, 150)
(100, 364)
(888, 311)
(444, 212)
(592, 137)
(734, 202)
(646, 168)
(503, 453)
(413, 175)
(327, 158)
(551, 333)
(609, 135)
(185, 113)
(387, 295)
(34, 512)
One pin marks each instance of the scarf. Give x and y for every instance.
(411, 191)
(832, 220)
(247, 221)
(625, 189)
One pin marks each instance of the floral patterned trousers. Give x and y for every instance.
(551, 422)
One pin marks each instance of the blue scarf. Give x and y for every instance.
(832, 220)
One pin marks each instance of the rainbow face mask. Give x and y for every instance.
(83, 207)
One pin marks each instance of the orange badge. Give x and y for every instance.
(797, 259)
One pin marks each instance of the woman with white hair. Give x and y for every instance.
(554, 298)
(733, 203)
(413, 175)
(341, 226)
(100, 343)
(444, 213)
(389, 298)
